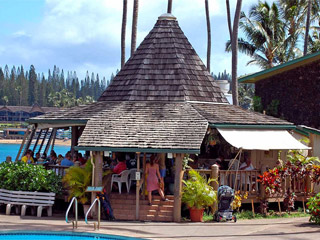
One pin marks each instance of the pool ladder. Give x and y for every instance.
(75, 222)
(96, 225)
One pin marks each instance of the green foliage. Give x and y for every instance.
(246, 94)
(273, 108)
(197, 192)
(314, 208)
(185, 162)
(245, 214)
(77, 179)
(19, 176)
(18, 87)
(257, 104)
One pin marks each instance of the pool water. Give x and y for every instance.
(12, 150)
(22, 235)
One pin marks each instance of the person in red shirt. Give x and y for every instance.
(120, 167)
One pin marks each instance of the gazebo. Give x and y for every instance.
(163, 101)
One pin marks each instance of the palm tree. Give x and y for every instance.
(234, 48)
(306, 36)
(134, 26)
(169, 6)
(229, 18)
(265, 35)
(209, 35)
(293, 12)
(123, 32)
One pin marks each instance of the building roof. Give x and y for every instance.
(145, 125)
(28, 109)
(165, 67)
(231, 114)
(163, 99)
(253, 78)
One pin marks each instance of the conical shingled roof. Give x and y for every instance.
(165, 67)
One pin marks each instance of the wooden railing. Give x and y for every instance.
(59, 170)
(242, 180)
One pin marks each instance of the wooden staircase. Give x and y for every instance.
(124, 208)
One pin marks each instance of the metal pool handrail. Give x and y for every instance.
(99, 214)
(74, 223)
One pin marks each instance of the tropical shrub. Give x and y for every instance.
(297, 166)
(197, 191)
(76, 180)
(314, 208)
(19, 176)
(237, 201)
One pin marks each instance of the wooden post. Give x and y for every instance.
(74, 139)
(215, 184)
(97, 176)
(137, 187)
(177, 188)
(144, 176)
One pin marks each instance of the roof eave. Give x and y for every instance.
(53, 121)
(253, 78)
(253, 126)
(143, 150)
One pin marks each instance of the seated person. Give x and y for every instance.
(120, 167)
(53, 158)
(28, 157)
(37, 157)
(81, 159)
(246, 165)
(67, 161)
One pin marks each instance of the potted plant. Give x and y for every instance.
(197, 194)
(77, 179)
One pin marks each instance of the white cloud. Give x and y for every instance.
(85, 34)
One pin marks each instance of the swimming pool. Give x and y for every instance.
(37, 235)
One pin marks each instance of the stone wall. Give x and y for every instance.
(298, 92)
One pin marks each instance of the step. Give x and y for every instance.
(125, 217)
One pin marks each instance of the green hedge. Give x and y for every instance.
(19, 176)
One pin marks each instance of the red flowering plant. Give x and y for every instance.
(271, 180)
(314, 208)
(297, 167)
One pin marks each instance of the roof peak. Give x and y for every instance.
(167, 16)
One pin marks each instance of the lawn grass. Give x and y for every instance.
(246, 214)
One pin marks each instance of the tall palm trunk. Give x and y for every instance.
(229, 19)
(209, 35)
(134, 26)
(234, 47)
(123, 32)
(169, 6)
(306, 37)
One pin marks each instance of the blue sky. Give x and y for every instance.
(84, 35)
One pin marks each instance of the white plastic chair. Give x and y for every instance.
(132, 176)
(121, 178)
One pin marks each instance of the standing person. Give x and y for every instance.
(162, 169)
(28, 157)
(152, 170)
(67, 161)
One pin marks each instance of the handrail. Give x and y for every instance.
(99, 213)
(74, 223)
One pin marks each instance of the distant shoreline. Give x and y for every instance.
(58, 142)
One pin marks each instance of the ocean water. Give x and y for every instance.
(12, 150)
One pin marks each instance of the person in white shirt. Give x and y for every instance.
(247, 165)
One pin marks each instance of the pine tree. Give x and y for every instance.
(2, 85)
(32, 86)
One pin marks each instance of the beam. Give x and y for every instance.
(146, 150)
(137, 187)
(178, 188)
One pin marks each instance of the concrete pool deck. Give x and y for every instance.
(285, 228)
